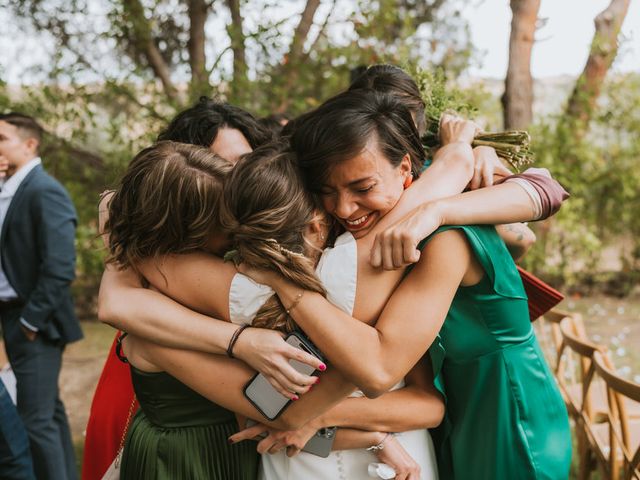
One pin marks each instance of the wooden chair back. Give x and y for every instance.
(582, 391)
(624, 433)
(575, 373)
(551, 339)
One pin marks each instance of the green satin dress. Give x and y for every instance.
(505, 417)
(179, 435)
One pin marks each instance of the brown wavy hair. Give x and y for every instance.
(266, 210)
(166, 203)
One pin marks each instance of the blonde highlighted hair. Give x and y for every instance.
(266, 210)
(167, 203)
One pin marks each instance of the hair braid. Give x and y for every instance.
(266, 210)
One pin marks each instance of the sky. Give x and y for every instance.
(562, 44)
(561, 47)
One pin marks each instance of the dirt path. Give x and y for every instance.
(81, 366)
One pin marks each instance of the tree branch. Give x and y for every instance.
(604, 48)
(236, 35)
(145, 46)
(302, 30)
(198, 11)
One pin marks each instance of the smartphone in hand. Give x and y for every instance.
(261, 393)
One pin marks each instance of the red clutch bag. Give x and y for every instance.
(542, 297)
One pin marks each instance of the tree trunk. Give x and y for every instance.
(517, 100)
(237, 45)
(296, 54)
(198, 10)
(146, 47)
(302, 30)
(604, 48)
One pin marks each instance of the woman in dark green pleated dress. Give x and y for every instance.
(177, 434)
(180, 435)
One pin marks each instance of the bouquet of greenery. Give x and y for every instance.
(513, 146)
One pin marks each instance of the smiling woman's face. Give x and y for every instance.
(363, 189)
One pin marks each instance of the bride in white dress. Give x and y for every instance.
(337, 270)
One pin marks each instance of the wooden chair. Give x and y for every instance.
(550, 338)
(619, 437)
(586, 400)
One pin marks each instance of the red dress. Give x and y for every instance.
(108, 416)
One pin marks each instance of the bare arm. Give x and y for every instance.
(225, 379)
(415, 406)
(418, 405)
(375, 359)
(396, 247)
(517, 237)
(126, 305)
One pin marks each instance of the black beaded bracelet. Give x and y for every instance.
(234, 339)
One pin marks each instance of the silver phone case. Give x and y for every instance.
(261, 393)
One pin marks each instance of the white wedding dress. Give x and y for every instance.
(338, 271)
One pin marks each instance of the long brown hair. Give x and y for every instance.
(266, 210)
(167, 202)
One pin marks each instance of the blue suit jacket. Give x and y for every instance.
(38, 254)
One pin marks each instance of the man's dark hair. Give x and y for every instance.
(199, 124)
(275, 122)
(27, 126)
(340, 128)
(394, 81)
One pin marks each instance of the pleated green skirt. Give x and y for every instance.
(186, 453)
(180, 435)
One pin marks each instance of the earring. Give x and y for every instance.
(408, 181)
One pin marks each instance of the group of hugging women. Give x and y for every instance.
(340, 227)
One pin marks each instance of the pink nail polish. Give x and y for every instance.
(295, 397)
(322, 367)
(317, 380)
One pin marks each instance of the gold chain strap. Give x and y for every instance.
(126, 430)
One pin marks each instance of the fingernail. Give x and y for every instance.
(230, 440)
(295, 397)
(317, 380)
(322, 367)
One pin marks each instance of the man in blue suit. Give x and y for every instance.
(37, 266)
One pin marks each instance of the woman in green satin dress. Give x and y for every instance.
(505, 418)
(180, 435)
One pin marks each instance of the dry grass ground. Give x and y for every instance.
(81, 367)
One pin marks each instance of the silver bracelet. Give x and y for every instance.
(380, 446)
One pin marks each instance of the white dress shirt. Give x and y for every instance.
(9, 189)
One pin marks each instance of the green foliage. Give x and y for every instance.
(600, 170)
